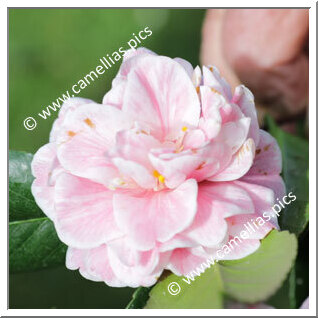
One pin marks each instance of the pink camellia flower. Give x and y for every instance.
(170, 167)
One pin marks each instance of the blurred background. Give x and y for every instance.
(51, 49)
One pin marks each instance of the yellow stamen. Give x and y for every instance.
(89, 123)
(184, 128)
(215, 91)
(159, 176)
(161, 179)
(179, 149)
(71, 133)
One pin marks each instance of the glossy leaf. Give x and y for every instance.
(295, 152)
(21, 202)
(33, 244)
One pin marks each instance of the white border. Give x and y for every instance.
(312, 163)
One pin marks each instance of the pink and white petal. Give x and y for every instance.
(213, 157)
(178, 241)
(194, 138)
(240, 164)
(154, 216)
(137, 52)
(102, 120)
(142, 262)
(93, 264)
(273, 182)
(84, 212)
(74, 258)
(213, 79)
(135, 171)
(185, 260)
(135, 145)
(186, 65)
(268, 157)
(244, 98)
(235, 249)
(175, 167)
(211, 119)
(114, 97)
(143, 268)
(97, 265)
(209, 226)
(159, 94)
(43, 165)
(263, 199)
(197, 77)
(228, 198)
(230, 112)
(234, 134)
(255, 226)
(84, 155)
(88, 133)
(68, 106)
(216, 202)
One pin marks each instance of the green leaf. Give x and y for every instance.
(139, 298)
(22, 205)
(251, 279)
(295, 154)
(34, 244)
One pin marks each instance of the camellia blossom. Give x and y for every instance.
(161, 175)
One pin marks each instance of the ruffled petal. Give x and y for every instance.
(159, 95)
(153, 216)
(244, 98)
(45, 168)
(68, 106)
(88, 133)
(93, 264)
(216, 202)
(84, 212)
(268, 158)
(240, 164)
(185, 260)
(211, 120)
(212, 78)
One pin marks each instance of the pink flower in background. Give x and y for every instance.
(160, 175)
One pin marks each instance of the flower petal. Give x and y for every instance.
(263, 199)
(216, 202)
(185, 260)
(43, 165)
(212, 78)
(84, 212)
(153, 216)
(244, 98)
(93, 264)
(135, 268)
(240, 164)
(87, 134)
(159, 95)
(268, 158)
(68, 106)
